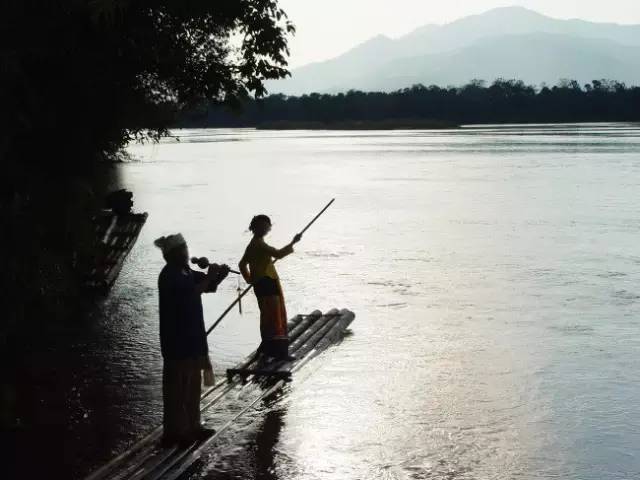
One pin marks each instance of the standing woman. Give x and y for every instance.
(257, 269)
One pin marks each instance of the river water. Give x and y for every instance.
(494, 273)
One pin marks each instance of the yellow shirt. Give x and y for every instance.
(259, 255)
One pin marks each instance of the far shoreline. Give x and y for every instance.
(369, 126)
(388, 124)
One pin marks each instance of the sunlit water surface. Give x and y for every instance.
(495, 277)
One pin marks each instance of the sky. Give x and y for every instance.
(327, 28)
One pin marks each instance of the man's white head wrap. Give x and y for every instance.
(168, 243)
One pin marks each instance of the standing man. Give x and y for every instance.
(183, 339)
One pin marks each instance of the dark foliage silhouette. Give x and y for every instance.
(80, 79)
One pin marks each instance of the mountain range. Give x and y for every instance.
(510, 42)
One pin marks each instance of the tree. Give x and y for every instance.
(132, 65)
(82, 78)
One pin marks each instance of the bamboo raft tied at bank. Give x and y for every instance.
(257, 377)
(116, 229)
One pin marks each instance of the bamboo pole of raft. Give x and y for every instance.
(249, 287)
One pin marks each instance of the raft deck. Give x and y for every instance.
(309, 335)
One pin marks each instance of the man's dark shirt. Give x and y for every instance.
(182, 333)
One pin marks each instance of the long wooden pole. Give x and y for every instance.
(317, 216)
(248, 289)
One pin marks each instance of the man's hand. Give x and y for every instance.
(217, 273)
(213, 270)
(223, 271)
(297, 238)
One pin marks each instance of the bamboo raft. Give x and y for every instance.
(309, 335)
(115, 235)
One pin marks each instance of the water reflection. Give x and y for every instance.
(266, 440)
(251, 449)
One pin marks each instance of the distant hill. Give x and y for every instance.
(536, 58)
(510, 42)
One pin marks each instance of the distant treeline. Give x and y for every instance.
(503, 101)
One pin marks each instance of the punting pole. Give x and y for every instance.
(246, 290)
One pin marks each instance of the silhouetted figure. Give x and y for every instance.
(257, 268)
(183, 338)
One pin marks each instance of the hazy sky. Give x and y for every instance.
(327, 28)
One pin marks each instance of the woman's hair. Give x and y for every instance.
(255, 220)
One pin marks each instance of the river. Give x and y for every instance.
(495, 276)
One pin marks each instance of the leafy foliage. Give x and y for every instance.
(119, 68)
